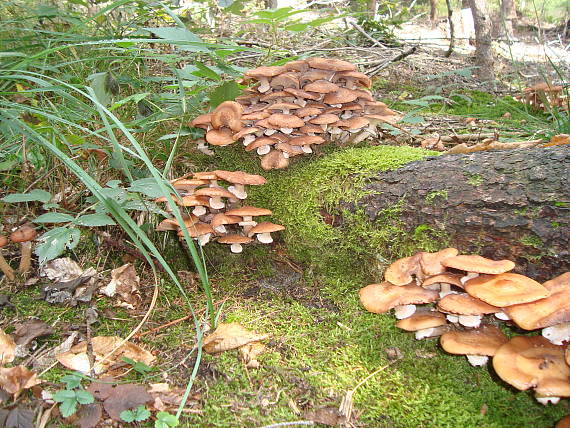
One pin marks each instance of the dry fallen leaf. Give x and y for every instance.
(167, 398)
(558, 140)
(124, 282)
(125, 397)
(28, 331)
(76, 358)
(230, 336)
(70, 283)
(62, 269)
(45, 360)
(89, 415)
(15, 379)
(433, 143)
(7, 348)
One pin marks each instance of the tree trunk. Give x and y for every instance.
(508, 18)
(432, 10)
(512, 204)
(483, 28)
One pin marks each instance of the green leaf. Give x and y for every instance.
(135, 98)
(98, 81)
(296, 27)
(84, 397)
(138, 366)
(167, 418)
(55, 241)
(94, 220)
(35, 195)
(141, 413)
(68, 407)
(64, 395)
(205, 71)
(146, 186)
(127, 416)
(176, 35)
(228, 91)
(412, 118)
(71, 381)
(53, 218)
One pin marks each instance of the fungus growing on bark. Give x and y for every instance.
(263, 231)
(468, 310)
(477, 345)
(505, 289)
(24, 236)
(235, 242)
(380, 298)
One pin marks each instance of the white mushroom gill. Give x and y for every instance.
(202, 147)
(346, 115)
(217, 203)
(477, 360)
(236, 248)
(263, 150)
(286, 130)
(470, 320)
(452, 318)
(199, 210)
(264, 85)
(270, 132)
(265, 238)
(204, 239)
(221, 228)
(286, 155)
(424, 333)
(248, 139)
(404, 311)
(238, 190)
(307, 149)
(470, 275)
(557, 334)
(546, 400)
(502, 316)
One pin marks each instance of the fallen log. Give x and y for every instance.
(512, 204)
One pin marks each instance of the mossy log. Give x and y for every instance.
(511, 204)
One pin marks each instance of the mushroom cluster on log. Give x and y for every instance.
(216, 200)
(293, 107)
(544, 96)
(470, 296)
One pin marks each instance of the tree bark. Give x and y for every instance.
(432, 10)
(512, 204)
(483, 28)
(508, 18)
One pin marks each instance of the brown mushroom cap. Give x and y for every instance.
(277, 95)
(332, 64)
(297, 65)
(311, 76)
(356, 122)
(464, 304)
(321, 87)
(505, 289)
(485, 340)
(300, 93)
(228, 114)
(361, 78)
(214, 192)
(445, 278)
(197, 229)
(221, 219)
(306, 140)
(240, 177)
(400, 272)
(172, 223)
(265, 227)
(312, 128)
(380, 298)
(564, 422)
(343, 95)
(219, 137)
(234, 239)
(533, 362)
(324, 119)
(187, 183)
(289, 149)
(285, 120)
(421, 320)
(248, 211)
(274, 160)
(260, 142)
(23, 234)
(202, 121)
(285, 80)
(246, 131)
(431, 262)
(193, 201)
(265, 71)
(308, 111)
(552, 310)
(474, 263)
(205, 175)
(283, 106)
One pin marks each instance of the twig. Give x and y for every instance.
(174, 322)
(365, 34)
(289, 424)
(390, 61)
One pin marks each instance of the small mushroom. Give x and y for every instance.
(24, 236)
(263, 231)
(6, 268)
(478, 345)
(380, 298)
(425, 324)
(235, 242)
(239, 180)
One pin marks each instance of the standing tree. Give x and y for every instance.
(508, 17)
(483, 52)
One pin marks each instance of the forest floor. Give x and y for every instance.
(303, 291)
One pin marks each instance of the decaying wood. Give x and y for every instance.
(512, 204)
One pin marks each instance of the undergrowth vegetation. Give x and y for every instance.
(94, 112)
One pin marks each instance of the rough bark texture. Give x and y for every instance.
(508, 17)
(483, 38)
(511, 204)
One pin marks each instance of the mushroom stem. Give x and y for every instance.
(477, 360)
(204, 239)
(265, 238)
(26, 260)
(5, 267)
(557, 334)
(470, 320)
(546, 400)
(236, 248)
(199, 210)
(217, 203)
(238, 190)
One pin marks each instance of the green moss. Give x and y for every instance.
(432, 197)
(475, 179)
(532, 241)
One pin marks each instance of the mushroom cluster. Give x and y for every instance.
(470, 295)
(216, 200)
(23, 236)
(544, 96)
(293, 107)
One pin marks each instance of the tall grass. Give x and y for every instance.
(57, 71)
